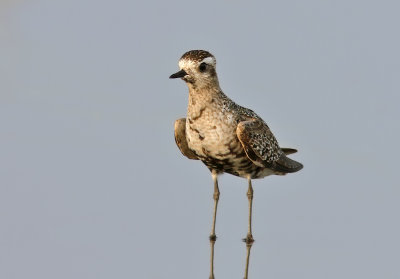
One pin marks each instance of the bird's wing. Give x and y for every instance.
(180, 139)
(262, 148)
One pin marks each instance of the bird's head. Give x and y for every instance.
(198, 70)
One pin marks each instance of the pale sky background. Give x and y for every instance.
(93, 186)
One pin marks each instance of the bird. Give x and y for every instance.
(225, 136)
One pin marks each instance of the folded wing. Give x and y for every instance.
(180, 139)
(262, 148)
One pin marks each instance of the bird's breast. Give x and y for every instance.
(212, 133)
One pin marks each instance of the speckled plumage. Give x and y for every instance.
(223, 135)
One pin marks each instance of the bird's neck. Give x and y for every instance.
(205, 100)
(204, 96)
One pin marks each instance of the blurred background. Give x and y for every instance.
(93, 186)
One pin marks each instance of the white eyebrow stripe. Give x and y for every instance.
(208, 60)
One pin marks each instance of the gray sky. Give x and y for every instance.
(93, 186)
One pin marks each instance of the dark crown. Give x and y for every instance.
(196, 55)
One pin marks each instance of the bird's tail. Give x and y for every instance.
(287, 165)
(288, 151)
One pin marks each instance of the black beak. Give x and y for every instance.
(179, 74)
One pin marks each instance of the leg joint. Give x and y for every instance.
(249, 240)
(250, 194)
(250, 191)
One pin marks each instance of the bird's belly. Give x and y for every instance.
(220, 149)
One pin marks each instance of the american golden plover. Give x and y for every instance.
(225, 136)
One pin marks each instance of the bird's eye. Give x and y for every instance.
(202, 67)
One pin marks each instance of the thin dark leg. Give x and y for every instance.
(213, 237)
(249, 240)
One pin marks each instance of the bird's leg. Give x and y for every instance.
(249, 240)
(213, 237)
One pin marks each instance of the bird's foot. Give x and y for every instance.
(249, 240)
(213, 237)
